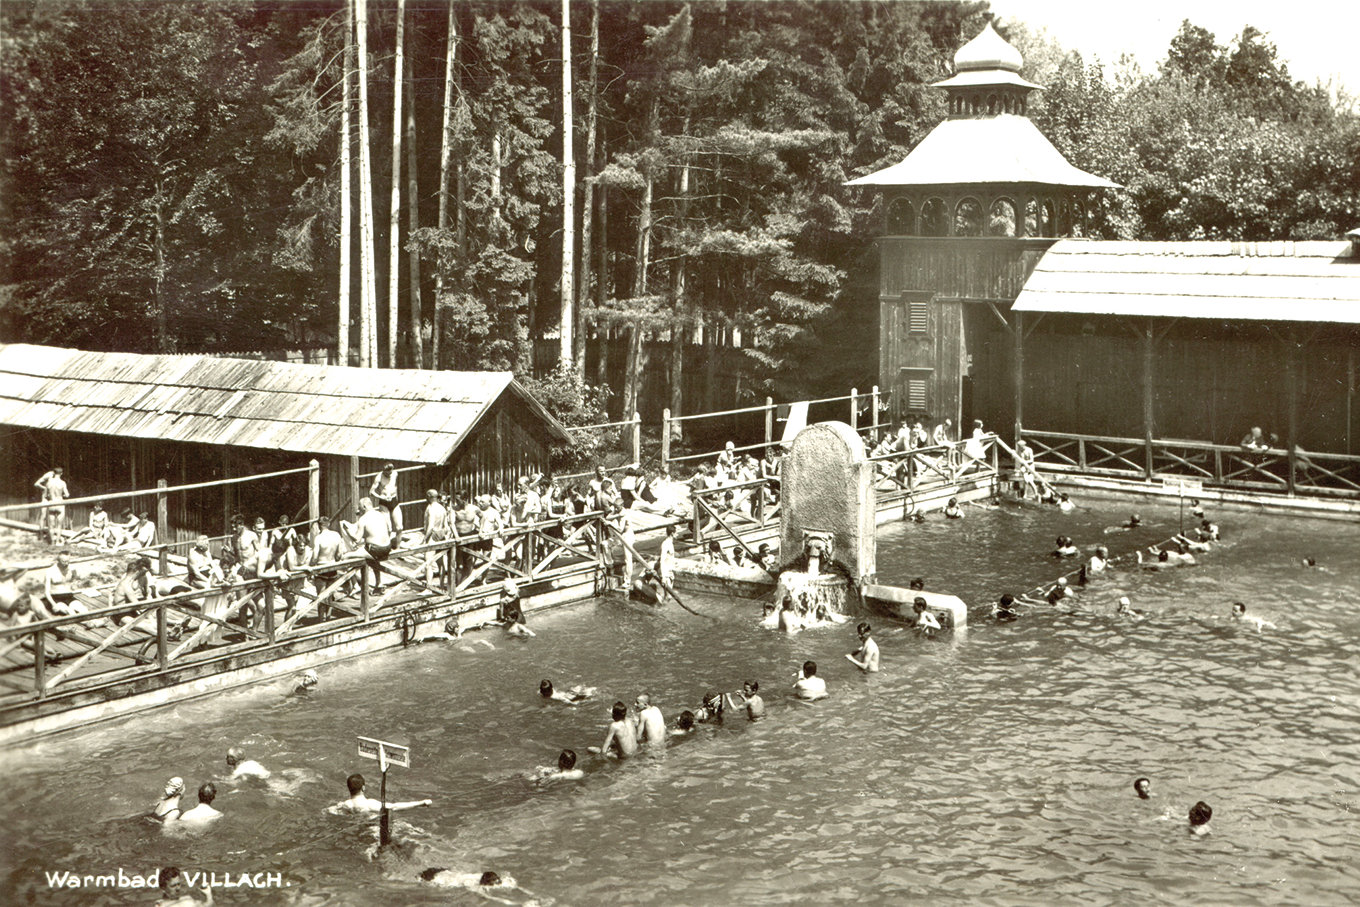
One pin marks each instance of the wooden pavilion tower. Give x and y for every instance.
(967, 215)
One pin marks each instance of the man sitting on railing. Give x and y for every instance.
(1254, 445)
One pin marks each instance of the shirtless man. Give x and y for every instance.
(96, 533)
(203, 813)
(927, 624)
(59, 594)
(200, 571)
(621, 740)
(375, 536)
(809, 687)
(1143, 788)
(384, 492)
(358, 802)
(789, 621)
(54, 494)
(327, 548)
(565, 770)
(651, 726)
(1239, 613)
(241, 767)
(436, 529)
(1024, 465)
(750, 700)
(175, 891)
(1099, 560)
(866, 656)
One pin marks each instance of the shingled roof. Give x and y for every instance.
(396, 414)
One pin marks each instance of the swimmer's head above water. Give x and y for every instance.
(566, 760)
(1238, 609)
(619, 711)
(1200, 814)
(308, 680)
(235, 755)
(545, 689)
(1143, 788)
(174, 787)
(686, 721)
(918, 584)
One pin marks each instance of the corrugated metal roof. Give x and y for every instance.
(1270, 281)
(1005, 148)
(394, 414)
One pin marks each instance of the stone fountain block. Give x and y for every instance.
(827, 487)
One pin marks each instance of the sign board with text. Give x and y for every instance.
(386, 753)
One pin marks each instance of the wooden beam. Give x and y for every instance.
(1001, 318)
(1149, 423)
(1019, 367)
(1291, 379)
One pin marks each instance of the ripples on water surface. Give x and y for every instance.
(993, 768)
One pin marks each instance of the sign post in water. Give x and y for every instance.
(387, 754)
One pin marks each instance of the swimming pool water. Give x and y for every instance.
(994, 767)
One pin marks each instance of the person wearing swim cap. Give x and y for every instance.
(167, 810)
(1200, 814)
(241, 767)
(1126, 610)
(711, 710)
(307, 682)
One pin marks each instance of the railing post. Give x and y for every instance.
(450, 571)
(163, 525)
(637, 437)
(313, 495)
(1218, 466)
(759, 507)
(854, 408)
(269, 612)
(769, 421)
(162, 638)
(354, 481)
(694, 498)
(1081, 452)
(363, 592)
(40, 663)
(874, 407)
(996, 462)
(666, 436)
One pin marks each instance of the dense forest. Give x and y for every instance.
(172, 173)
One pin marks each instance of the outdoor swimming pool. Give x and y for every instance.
(991, 768)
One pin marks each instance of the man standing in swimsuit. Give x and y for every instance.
(375, 535)
(384, 492)
(54, 494)
(436, 529)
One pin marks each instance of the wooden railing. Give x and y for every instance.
(715, 517)
(924, 468)
(1221, 465)
(108, 644)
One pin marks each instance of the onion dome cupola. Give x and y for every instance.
(986, 170)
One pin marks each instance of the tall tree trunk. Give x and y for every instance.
(394, 213)
(368, 356)
(346, 227)
(445, 153)
(588, 201)
(678, 303)
(417, 339)
(158, 277)
(643, 252)
(566, 353)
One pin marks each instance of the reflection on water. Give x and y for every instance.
(993, 768)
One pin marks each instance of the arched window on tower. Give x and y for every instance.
(1078, 219)
(1047, 222)
(1031, 217)
(991, 104)
(1064, 217)
(901, 218)
(974, 105)
(968, 218)
(934, 218)
(1001, 219)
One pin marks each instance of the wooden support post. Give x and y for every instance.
(854, 408)
(226, 490)
(873, 409)
(313, 495)
(163, 526)
(451, 572)
(769, 421)
(354, 481)
(1019, 369)
(269, 598)
(1291, 360)
(637, 437)
(162, 639)
(40, 663)
(666, 436)
(1149, 423)
(363, 592)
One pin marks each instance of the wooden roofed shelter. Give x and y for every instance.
(1194, 340)
(120, 421)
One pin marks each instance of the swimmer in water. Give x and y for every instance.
(167, 810)
(203, 813)
(572, 696)
(1207, 531)
(1099, 560)
(1126, 610)
(711, 710)
(241, 767)
(1239, 613)
(750, 700)
(621, 739)
(565, 770)
(1005, 610)
(952, 509)
(683, 724)
(649, 722)
(809, 687)
(307, 682)
(489, 885)
(789, 620)
(918, 516)
(1167, 558)
(1308, 562)
(175, 891)
(1196, 510)
(1060, 591)
(1143, 788)
(1135, 521)
(1200, 814)
(927, 624)
(1185, 543)
(866, 656)
(1065, 547)
(359, 802)
(918, 584)
(1065, 504)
